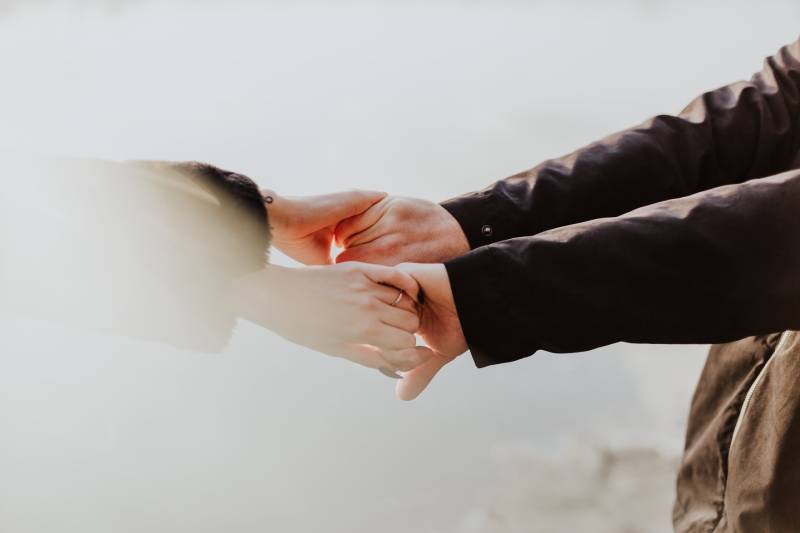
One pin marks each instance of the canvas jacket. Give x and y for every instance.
(684, 229)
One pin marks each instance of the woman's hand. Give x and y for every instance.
(303, 226)
(342, 310)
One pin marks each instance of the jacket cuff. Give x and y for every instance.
(476, 279)
(480, 215)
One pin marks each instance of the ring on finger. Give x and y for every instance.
(398, 299)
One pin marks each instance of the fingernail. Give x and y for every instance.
(389, 373)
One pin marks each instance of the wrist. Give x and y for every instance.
(457, 243)
(262, 296)
(277, 210)
(476, 215)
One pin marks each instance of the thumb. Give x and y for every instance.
(415, 381)
(330, 209)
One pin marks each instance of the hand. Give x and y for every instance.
(439, 326)
(341, 310)
(397, 230)
(303, 227)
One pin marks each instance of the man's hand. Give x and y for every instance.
(397, 230)
(303, 227)
(439, 326)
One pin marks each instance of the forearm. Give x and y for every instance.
(712, 267)
(742, 131)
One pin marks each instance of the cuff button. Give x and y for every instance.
(487, 230)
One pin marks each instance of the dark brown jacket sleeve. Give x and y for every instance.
(742, 131)
(712, 267)
(715, 266)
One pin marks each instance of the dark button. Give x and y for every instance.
(487, 230)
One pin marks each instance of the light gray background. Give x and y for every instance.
(429, 99)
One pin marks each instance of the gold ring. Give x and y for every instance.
(397, 300)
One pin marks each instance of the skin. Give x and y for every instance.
(398, 230)
(303, 227)
(419, 235)
(439, 327)
(341, 310)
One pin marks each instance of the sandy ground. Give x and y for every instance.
(597, 490)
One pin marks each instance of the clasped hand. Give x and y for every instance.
(388, 284)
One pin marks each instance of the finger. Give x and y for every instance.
(364, 355)
(394, 277)
(330, 209)
(377, 229)
(399, 318)
(367, 253)
(417, 380)
(406, 360)
(388, 295)
(386, 337)
(348, 228)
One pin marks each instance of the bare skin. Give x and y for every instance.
(303, 226)
(439, 327)
(398, 230)
(418, 235)
(346, 311)
(343, 310)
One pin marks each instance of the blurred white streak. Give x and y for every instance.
(145, 250)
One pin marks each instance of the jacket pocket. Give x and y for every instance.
(763, 467)
(754, 389)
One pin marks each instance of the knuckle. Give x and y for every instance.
(402, 207)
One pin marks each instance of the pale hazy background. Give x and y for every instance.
(427, 99)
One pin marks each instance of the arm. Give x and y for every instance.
(730, 135)
(177, 252)
(711, 267)
(742, 131)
